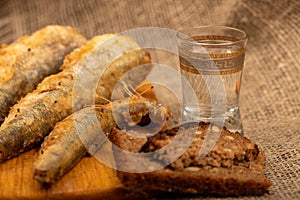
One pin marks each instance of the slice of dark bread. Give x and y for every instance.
(234, 167)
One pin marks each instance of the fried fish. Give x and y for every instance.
(57, 96)
(26, 62)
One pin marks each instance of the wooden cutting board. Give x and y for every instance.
(89, 179)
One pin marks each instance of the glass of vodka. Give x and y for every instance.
(211, 63)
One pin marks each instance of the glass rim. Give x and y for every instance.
(184, 36)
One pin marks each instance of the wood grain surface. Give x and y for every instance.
(89, 179)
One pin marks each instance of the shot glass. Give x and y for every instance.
(211, 63)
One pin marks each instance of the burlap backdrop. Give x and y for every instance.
(270, 98)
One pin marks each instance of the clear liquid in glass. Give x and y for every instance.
(215, 74)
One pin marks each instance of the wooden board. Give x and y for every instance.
(88, 180)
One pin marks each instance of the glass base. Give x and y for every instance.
(230, 119)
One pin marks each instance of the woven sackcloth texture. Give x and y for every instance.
(270, 97)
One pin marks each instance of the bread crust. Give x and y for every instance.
(243, 176)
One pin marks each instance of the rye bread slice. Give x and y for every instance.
(234, 167)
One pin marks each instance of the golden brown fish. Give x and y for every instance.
(64, 146)
(26, 62)
(59, 95)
